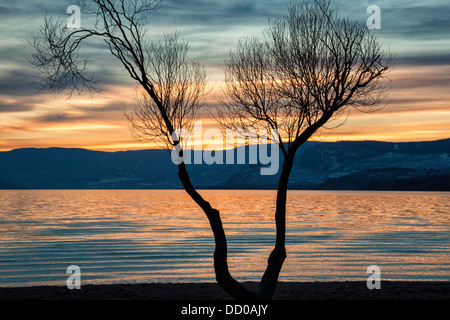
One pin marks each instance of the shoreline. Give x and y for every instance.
(348, 290)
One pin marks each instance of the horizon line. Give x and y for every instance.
(168, 149)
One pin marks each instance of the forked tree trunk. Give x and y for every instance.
(276, 259)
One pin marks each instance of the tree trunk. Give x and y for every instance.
(276, 259)
(223, 276)
(278, 255)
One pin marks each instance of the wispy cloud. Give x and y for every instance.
(416, 31)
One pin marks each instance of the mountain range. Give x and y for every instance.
(345, 165)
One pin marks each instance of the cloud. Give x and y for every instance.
(421, 21)
(220, 13)
(19, 82)
(59, 117)
(15, 107)
(425, 58)
(415, 31)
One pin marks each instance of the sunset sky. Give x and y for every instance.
(417, 32)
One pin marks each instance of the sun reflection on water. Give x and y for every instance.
(131, 236)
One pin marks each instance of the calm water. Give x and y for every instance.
(161, 236)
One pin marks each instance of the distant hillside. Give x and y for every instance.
(7, 185)
(391, 179)
(360, 165)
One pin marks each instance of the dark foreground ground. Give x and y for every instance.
(390, 290)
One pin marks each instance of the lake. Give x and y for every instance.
(136, 236)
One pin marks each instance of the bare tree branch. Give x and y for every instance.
(179, 85)
(309, 64)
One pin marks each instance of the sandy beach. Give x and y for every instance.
(390, 290)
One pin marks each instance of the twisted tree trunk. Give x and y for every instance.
(278, 255)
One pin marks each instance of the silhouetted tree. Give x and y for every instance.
(311, 65)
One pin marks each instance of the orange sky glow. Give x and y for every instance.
(417, 107)
(408, 115)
